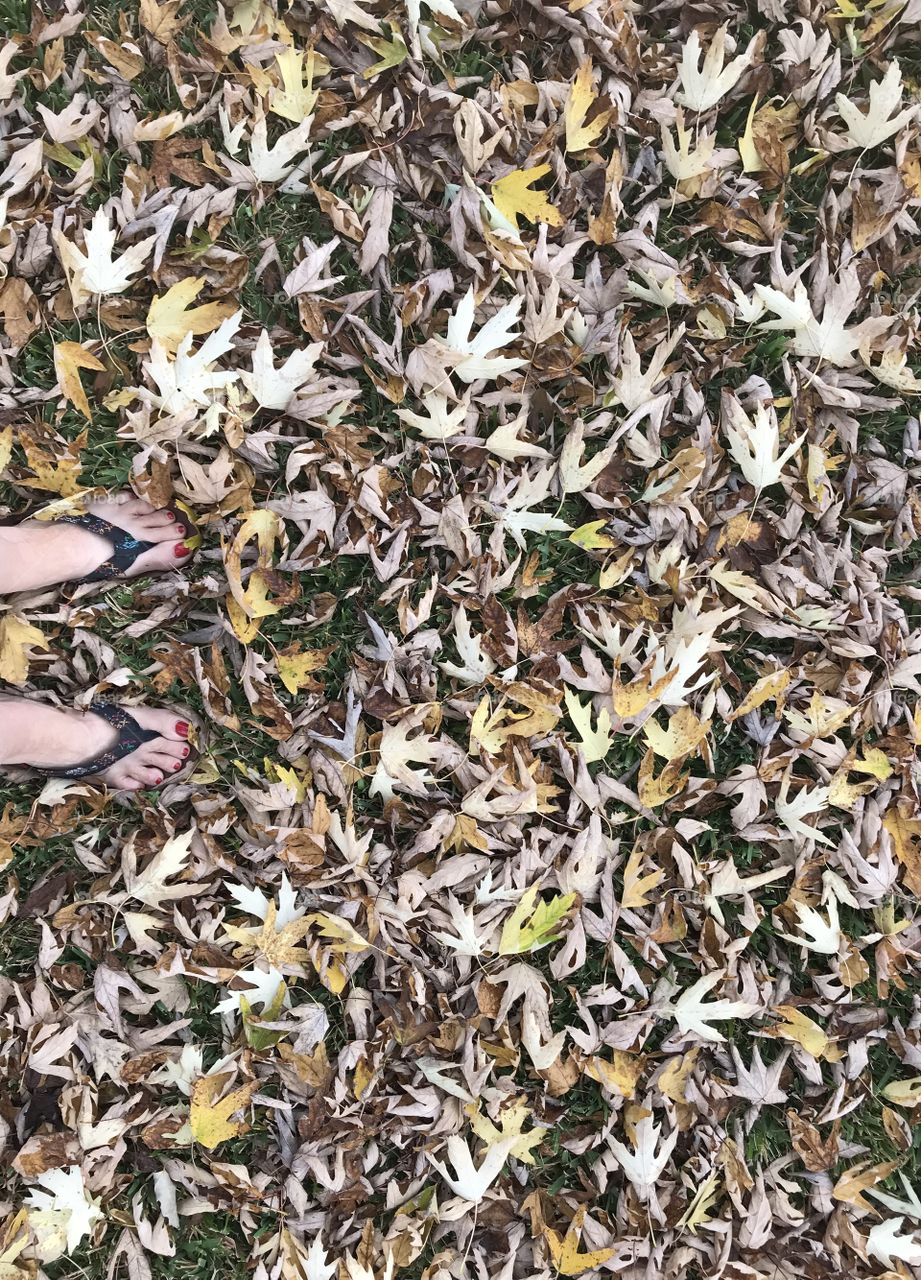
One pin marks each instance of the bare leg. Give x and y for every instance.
(36, 554)
(46, 737)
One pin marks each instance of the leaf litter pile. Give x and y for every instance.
(545, 898)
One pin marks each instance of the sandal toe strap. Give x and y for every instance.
(130, 737)
(125, 548)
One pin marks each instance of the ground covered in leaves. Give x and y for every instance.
(545, 898)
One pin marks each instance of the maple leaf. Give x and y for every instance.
(210, 1114)
(694, 1015)
(885, 1242)
(877, 124)
(534, 923)
(69, 359)
(63, 1213)
(470, 356)
(188, 381)
(273, 388)
(564, 1251)
(702, 88)
(827, 339)
(17, 638)
(514, 197)
(594, 743)
(512, 1119)
(755, 446)
(579, 100)
(93, 271)
(818, 933)
(296, 99)
(645, 1164)
(466, 1179)
(171, 316)
(439, 422)
(791, 813)
(398, 751)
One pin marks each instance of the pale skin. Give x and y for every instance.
(34, 555)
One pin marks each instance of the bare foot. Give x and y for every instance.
(38, 554)
(45, 737)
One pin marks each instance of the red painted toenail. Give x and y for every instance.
(177, 766)
(185, 751)
(180, 528)
(158, 781)
(182, 728)
(181, 551)
(170, 516)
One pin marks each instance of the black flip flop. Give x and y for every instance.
(125, 549)
(130, 737)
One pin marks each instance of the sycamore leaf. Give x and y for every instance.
(511, 1120)
(579, 100)
(755, 446)
(684, 734)
(702, 88)
(682, 162)
(645, 1164)
(885, 1243)
(637, 886)
(870, 128)
(471, 356)
(398, 751)
(93, 271)
(439, 422)
(799, 1028)
(505, 443)
(17, 638)
(818, 933)
(567, 1259)
(273, 388)
(189, 380)
(62, 1214)
(904, 1093)
(595, 743)
(274, 164)
(534, 923)
(151, 887)
(805, 803)
(894, 371)
(295, 669)
(513, 197)
(296, 99)
(69, 359)
(390, 52)
(694, 1015)
(826, 339)
(466, 1179)
(266, 527)
(171, 316)
(210, 1115)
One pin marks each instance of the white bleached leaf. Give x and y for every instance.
(870, 128)
(472, 358)
(576, 476)
(645, 1164)
(439, 422)
(467, 1180)
(190, 379)
(477, 664)
(693, 1014)
(63, 1213)
(755, 446)
(805, 802)
(274, 164)
(703, 87)
(504, 441)
(92, 271)
(262, 989)
(819, 933)
(886, 1243)
(630, 386)
(694, 154)
(465, 941)
(274, 388)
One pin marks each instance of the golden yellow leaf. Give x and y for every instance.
(772, 685)
(673, 1080)
(69, 359)
(297, 97)
(511, 1121)
(802, 1030)
(620, 1075)
(590, 538)
(294, 669)
(278, 946)
(636, 886)
(252, 600)
(875, 762)
(564, 1250)
(904, 1093)
(209, 1118)
(485, 728)
(171, 315)
(579, 100)
(905, 834)
(655, 791)
(17, 637)
(513, 197)
(6, 448)
(683, 736)
(345, 937)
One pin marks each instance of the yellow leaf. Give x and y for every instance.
(266, 527)
(580, 98)
(770, 686)
(875, 762)
(655, 791)
(904, 1093)
(595, 743)
(534, 924)
(17, 637)
(513, 197)
(295, 100)
(278, 946)
(905, 834)
(683, 736)
(6, 448)
(511, 1119)
(294, 669)
(69, 359)
(345, 937)
(209, 1118)
(751, 161)
(803, 1031)
(636, 886)
(621, 1075)
(590, 538)
(564, 1251)
(171, 315)
(484, 728)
